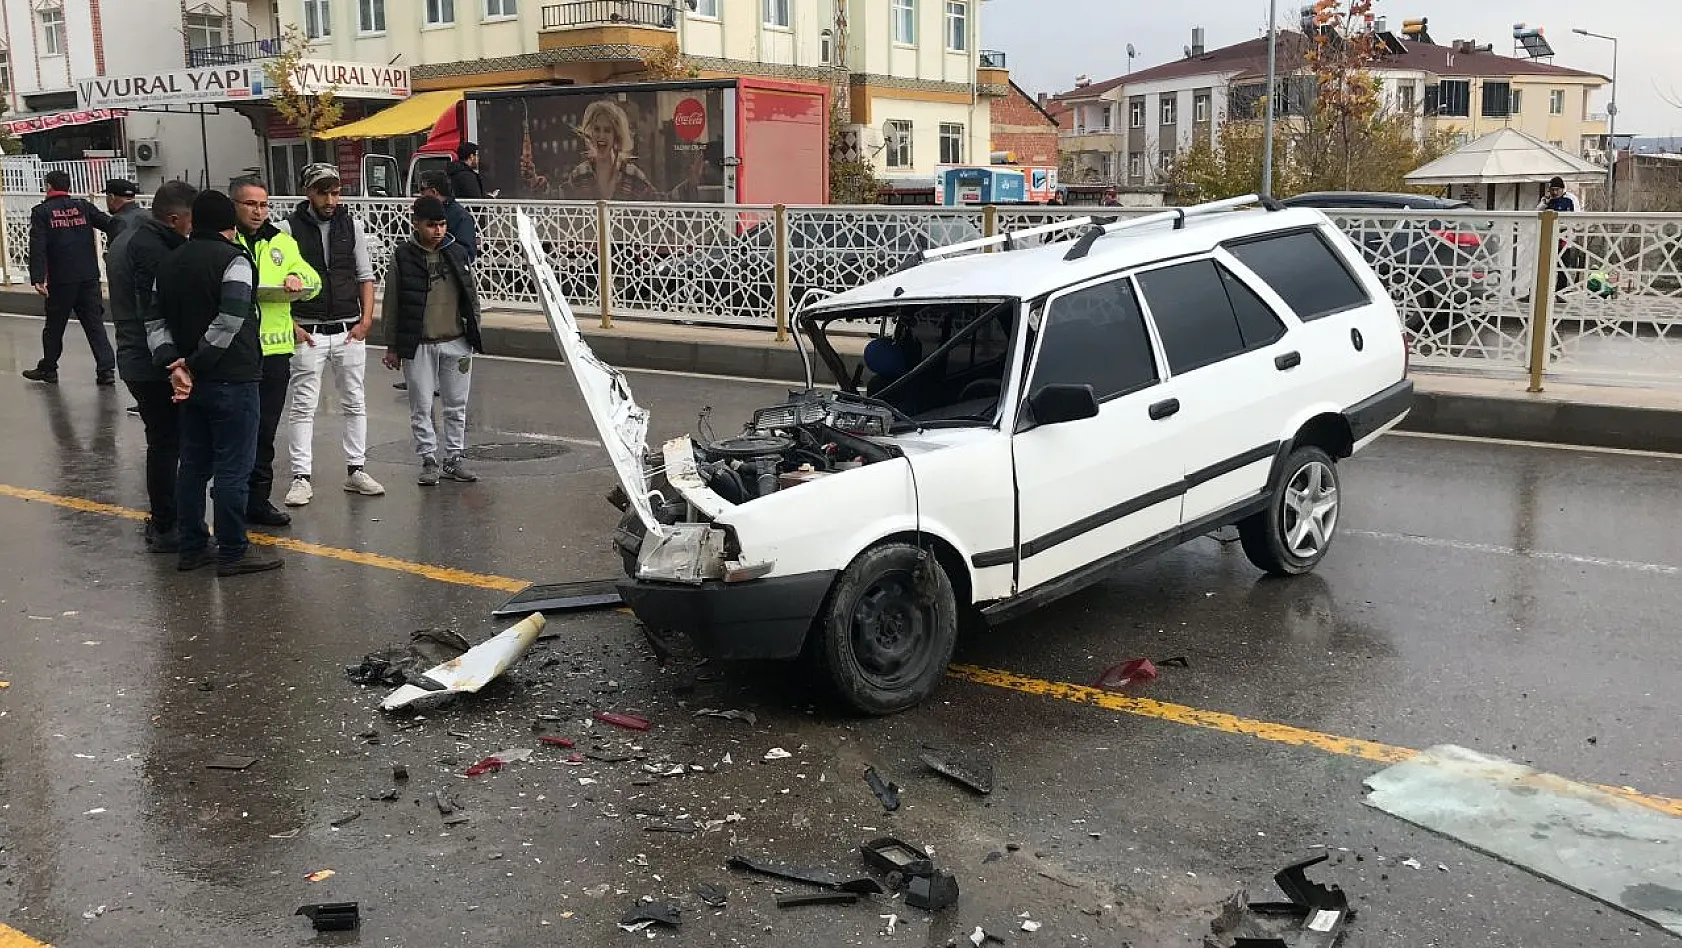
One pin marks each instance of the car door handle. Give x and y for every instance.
(1164, 409)
(1289, 360)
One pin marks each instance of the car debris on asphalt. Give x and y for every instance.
(817, 898)
(630, 722)
(1122, 675)
(822, 878)
(1315, 916)
(229, 762)
(712, 894)
(644, 914)
(976, 777)
(888, 793)
(332, 916)
(473, 669)
(747, 717)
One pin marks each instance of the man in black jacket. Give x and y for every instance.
(64, 267)
(464, 173)
(205, 333)
(132, 267)
(122, 201)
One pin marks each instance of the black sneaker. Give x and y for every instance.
(105, 378)
(41, 375)
(255, 560)
(268, 516)
(192, 561)
(162, 541)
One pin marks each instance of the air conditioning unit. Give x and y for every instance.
(147, 153)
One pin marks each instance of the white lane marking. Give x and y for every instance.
(546, 438)
(1552, 446)
(1465, 546)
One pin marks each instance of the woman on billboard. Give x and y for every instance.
(608, 173)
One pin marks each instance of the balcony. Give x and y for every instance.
(992, 59)
(593, 13)
(233, 54)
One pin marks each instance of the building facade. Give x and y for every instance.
(1023, 132)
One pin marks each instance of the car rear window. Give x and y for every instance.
(1306, 273)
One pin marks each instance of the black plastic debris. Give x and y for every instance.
(229, 762)
(399, 773)
(888, 793)
(818, 877)
(394, 667)
(561, 597)
(976, 776)
(344, 818)
(332, 916)
(890, 855)
(384, 796)
(1178, 661)
(712, 893)
(660, 913)
(817, 898)
(932, 892)
(1315, 916)
(448, 808)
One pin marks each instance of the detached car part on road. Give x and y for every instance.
(1017, 424)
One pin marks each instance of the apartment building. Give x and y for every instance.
(1128, 130)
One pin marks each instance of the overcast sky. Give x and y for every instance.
(1050, 42)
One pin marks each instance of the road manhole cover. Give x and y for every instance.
(517, 451)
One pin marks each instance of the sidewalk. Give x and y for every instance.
(1637, 418)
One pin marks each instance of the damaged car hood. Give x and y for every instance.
(622, 423)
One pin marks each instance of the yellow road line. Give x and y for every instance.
(1062, 691)
(12, 938)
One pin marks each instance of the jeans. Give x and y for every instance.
(83, 300)
(271, 399)
(218, 438)
(348, 360)
(447, 368)
(162, 418)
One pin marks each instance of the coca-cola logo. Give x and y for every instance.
(689, 120)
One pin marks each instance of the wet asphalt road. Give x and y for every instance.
(1424, 626)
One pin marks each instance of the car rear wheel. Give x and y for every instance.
(1292, 535)
(887, 631)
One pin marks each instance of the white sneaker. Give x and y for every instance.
(361, 483)
(300, 492)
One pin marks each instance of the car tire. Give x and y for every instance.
(1292, 535)
(887, 629)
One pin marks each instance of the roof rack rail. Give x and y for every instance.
(1007, 240)
(1177, 215)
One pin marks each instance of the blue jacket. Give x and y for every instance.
(462, 227)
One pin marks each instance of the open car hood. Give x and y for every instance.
(622, 423)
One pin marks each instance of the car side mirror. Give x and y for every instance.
(1059, 403)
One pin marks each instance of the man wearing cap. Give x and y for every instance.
(64, 267)
(120, 202)
(430, 316)
(205, 333)
(282, 276)
(1556, 198)
(332, 328)
(464, 173)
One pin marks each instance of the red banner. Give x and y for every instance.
(42, 123)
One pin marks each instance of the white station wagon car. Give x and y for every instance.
(1007, 426)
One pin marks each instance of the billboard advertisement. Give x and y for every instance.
(631, 145)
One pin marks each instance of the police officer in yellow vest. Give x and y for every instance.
(282, 275)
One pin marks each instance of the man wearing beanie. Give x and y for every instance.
(204, 331)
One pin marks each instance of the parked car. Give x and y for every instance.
(1020, 423)
(1431, 265)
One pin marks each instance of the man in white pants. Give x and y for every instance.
(331, 329)
(430, 316)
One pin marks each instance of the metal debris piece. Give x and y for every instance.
(332, 916)
(229, 762)
(932, 892)
(344, 818)
(892, 920)
(817, 898)
(888, 793)
(745, 716)
(712, 893)
(817, 877)
(1122, 674)
(561, 597)
(777, 753)
(475, 668)
(974, 776)
(658, 913)
(629, 721)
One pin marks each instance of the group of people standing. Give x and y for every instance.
(226, 320)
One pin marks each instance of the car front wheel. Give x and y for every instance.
(887, 631)
(1292, 535)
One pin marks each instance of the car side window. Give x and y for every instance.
(1258, 325)
(1306, 273)
(1193, 314)
(1096, 336)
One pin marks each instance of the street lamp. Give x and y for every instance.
(1611, 122)
(1272, 77)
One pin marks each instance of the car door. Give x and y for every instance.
(1093, 487)
(1226, 352)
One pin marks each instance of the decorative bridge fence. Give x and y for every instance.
(1467, 284)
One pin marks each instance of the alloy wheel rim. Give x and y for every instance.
(1310, 510)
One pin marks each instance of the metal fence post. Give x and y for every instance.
(5, 244)
(1542, 298)
(604, 268)
(989, 221)
(781, 219)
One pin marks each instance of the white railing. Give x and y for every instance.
(1463, 282)
(26, 174)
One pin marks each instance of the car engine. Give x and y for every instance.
(813, 435)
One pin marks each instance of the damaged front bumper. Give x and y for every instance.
(759, 619)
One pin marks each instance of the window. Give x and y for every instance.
(204, 31)
(318, 18)
(1170, 110)
(53, 41)
(957, 25)
(1197, 318)
(1518, 101)
(898, 136)
(707, 8)
(495, 9)
(1200, 108)
(1165, 161)
(438, 12)
(951, 144)
(5, 69)
(370, 15)
(1136, 165)
(905, 21)
(1304, 271)
(1454, 97)
(776, 13)
(1406, 100)
(1556, 102)
(1100, 113)
(1096, 336)
(1497, 99)
(1136, 114)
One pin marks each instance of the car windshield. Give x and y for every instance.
(938, 363)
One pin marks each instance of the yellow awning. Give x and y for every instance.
(417, 113)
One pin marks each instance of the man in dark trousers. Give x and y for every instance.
(464, 173)
(205, 334)
(64, 267)
(132, 267)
